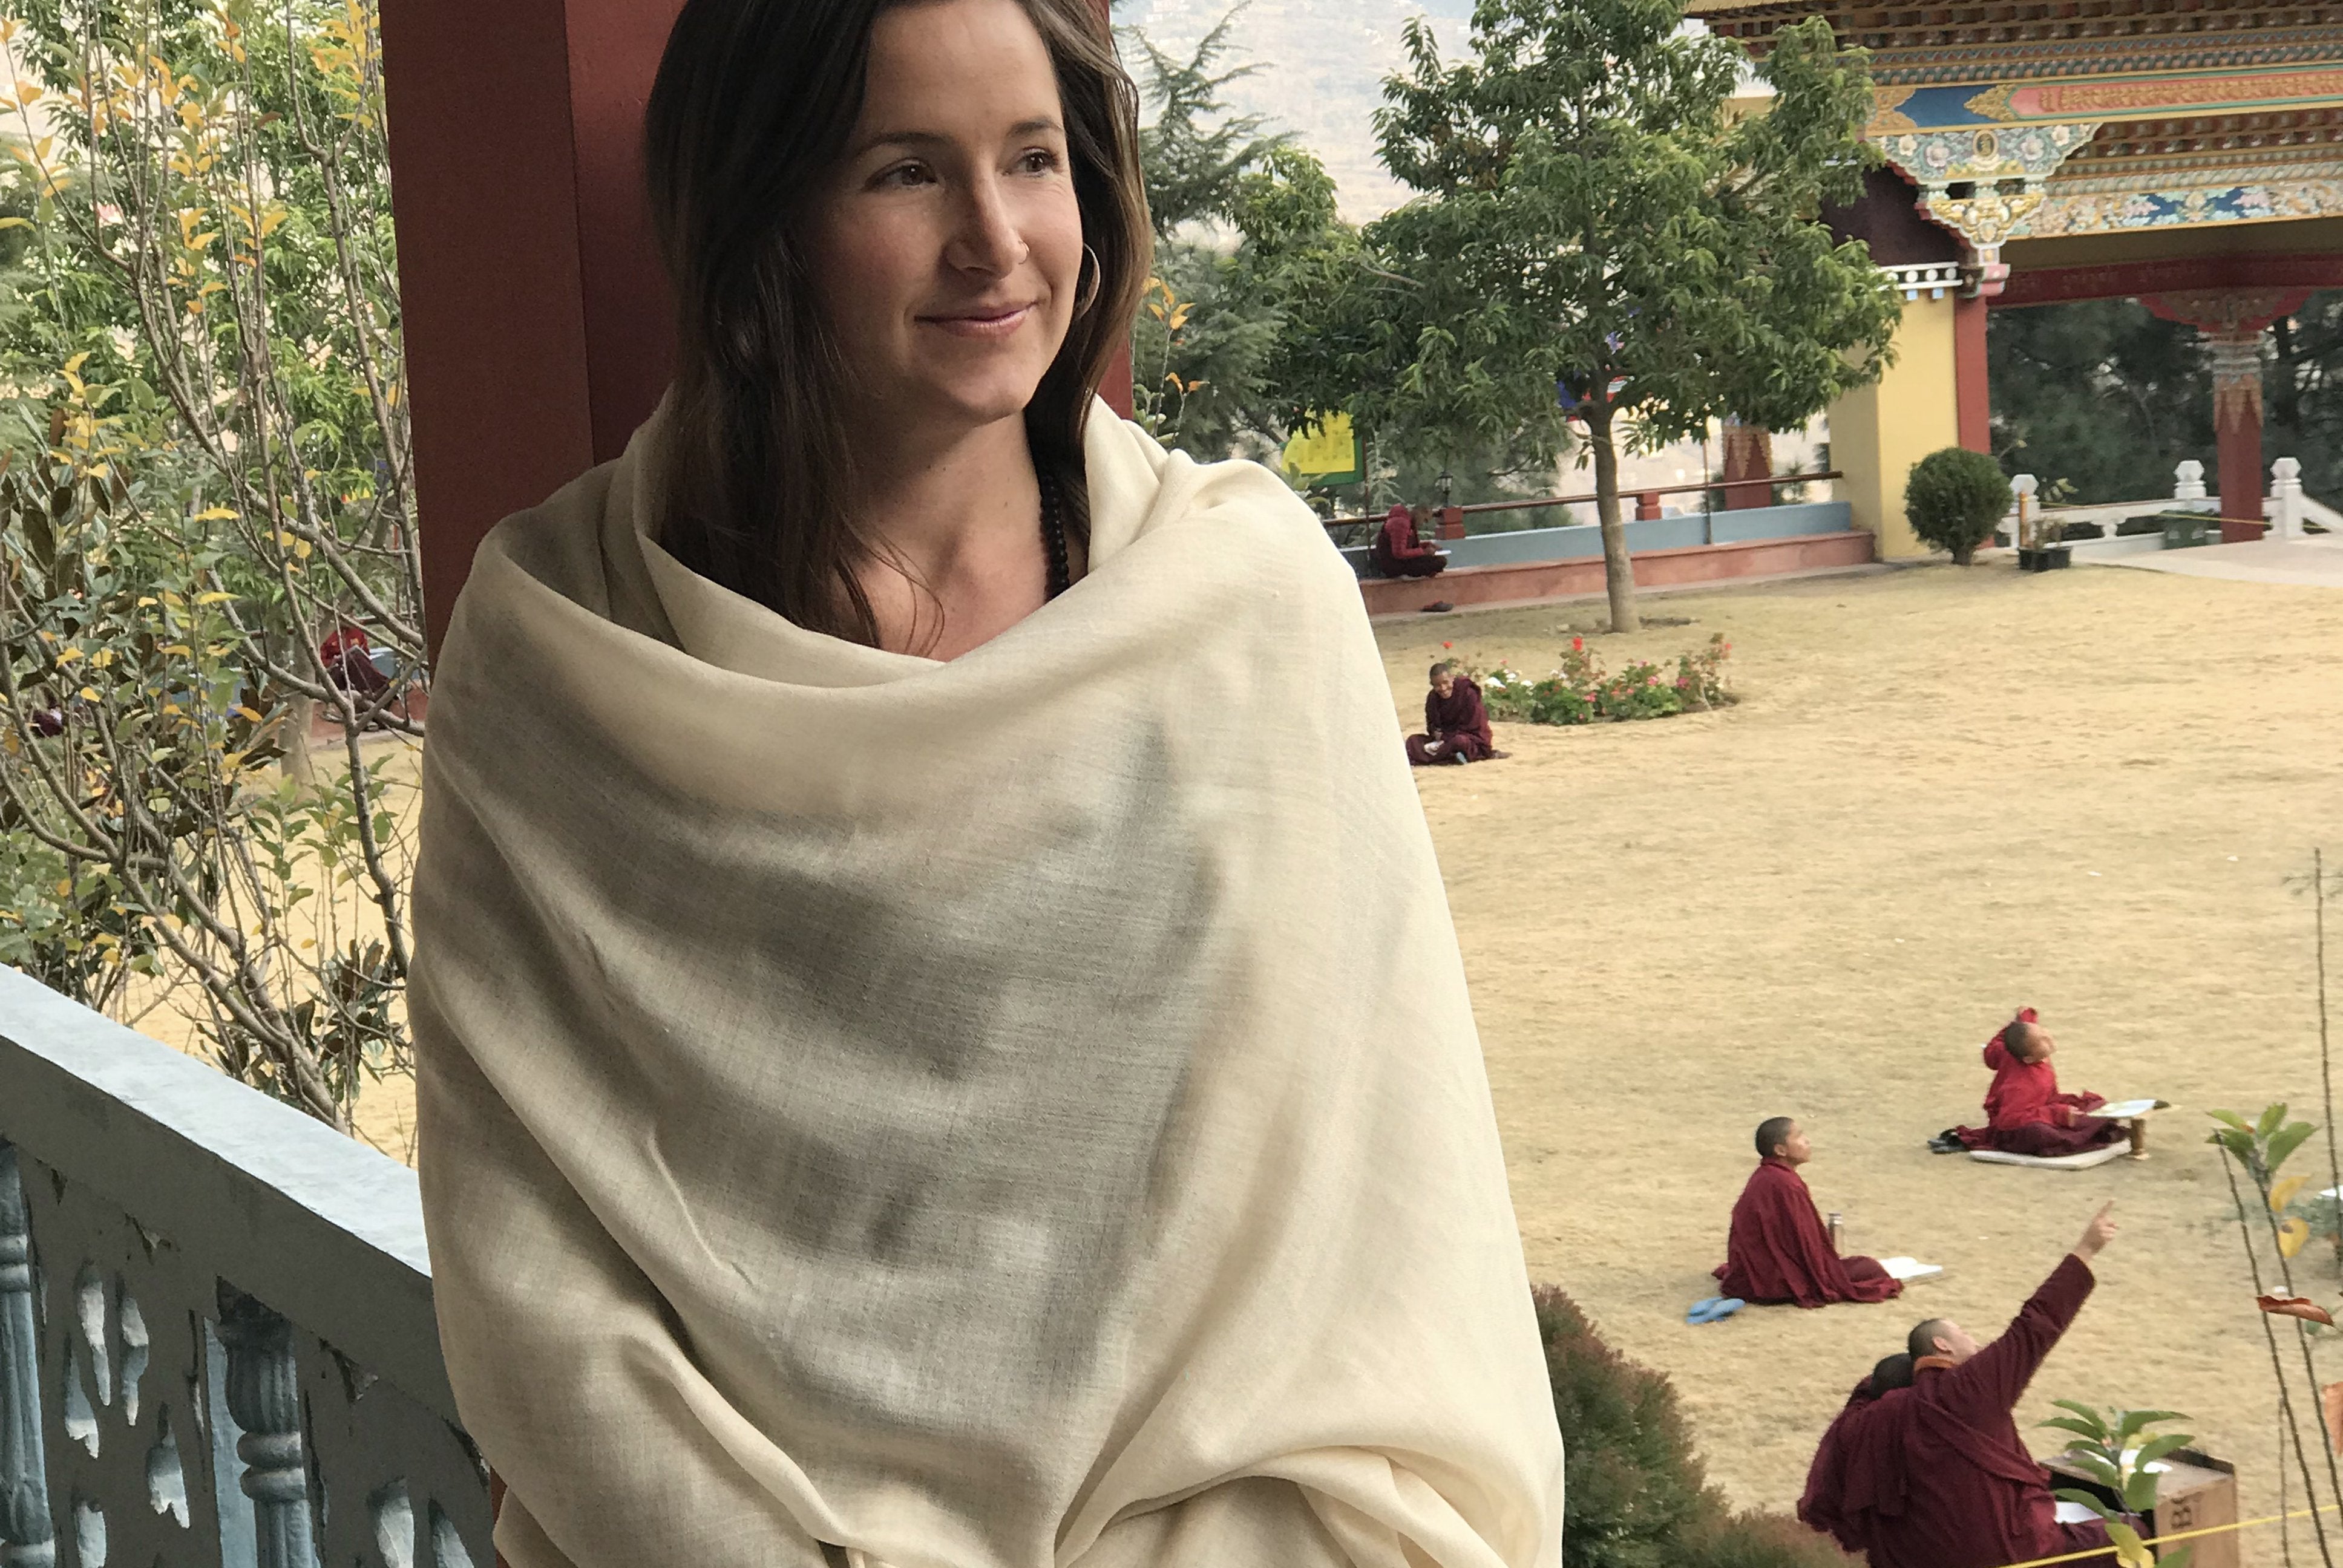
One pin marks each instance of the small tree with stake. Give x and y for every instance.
(2118, 1451)
(1596, 210)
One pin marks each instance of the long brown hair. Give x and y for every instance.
(753, 106)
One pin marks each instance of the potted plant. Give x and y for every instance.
(1954, 497)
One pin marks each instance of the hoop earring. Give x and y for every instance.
(1087, 298)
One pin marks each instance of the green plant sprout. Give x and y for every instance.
(2117, 1452)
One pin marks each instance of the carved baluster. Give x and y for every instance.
(264, 1395)
(26, 1537)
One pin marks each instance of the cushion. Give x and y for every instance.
(2083, 1161)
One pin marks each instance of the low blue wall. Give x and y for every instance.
(1671, 533)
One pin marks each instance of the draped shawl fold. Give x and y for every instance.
(1011, 1113)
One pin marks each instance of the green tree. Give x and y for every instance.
(1192, 151)
(1199, 338)
(2098, 400)
(1596, 212)
(205, 473)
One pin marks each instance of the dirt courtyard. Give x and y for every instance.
(1945, 793)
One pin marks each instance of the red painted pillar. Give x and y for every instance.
(2237, 430)
(1973, 398)
(1748, 455)
(539, 326)
(537, 320)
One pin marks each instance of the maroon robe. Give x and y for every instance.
(1936, 1476)
(1840, 1461)
(1777, 1250)
(2025, 1114)
(1398, 553)
(1456, 723)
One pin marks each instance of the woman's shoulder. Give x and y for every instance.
(578, 545)
(558, 540)
(1240, 503)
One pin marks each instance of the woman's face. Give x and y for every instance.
(948, 251)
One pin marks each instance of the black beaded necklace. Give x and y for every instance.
(1053, 536)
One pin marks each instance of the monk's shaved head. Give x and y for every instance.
(1771, 1134)
(1891, 1373)
(2018, 1038)
(1445, 666)
(1922, 1340)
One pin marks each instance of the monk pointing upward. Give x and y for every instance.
(1942, 1479)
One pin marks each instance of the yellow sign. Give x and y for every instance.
(1325, 453)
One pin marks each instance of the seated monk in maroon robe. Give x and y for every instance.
(1777, 1250)
(1828, 1505)
(2024, 1114)
(1398, 553)
(1455, 721)
(1936, 1476)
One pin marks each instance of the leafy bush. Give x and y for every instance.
(1954, 497)
(1760, 1541)
(1634, 1494)
(1580, 692)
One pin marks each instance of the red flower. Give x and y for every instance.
(1448, 645)
(1578, 645)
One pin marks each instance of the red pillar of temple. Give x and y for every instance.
(1748, 455)
(2232, 321)
(538, 325)
(2237, 430)
(537, 315)
(1973, 400)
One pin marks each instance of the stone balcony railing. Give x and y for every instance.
(216, 1341)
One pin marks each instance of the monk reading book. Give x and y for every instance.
(2024, 1113)
(1455, 722)
(1935, 1475)
(1777, 1250)
(1398, 553)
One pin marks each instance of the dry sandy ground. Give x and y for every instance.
(1944, 794)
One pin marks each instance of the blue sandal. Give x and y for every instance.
(1714, 1309)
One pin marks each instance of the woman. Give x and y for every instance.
(909, 1079)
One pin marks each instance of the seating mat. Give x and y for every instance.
(2083, 1161)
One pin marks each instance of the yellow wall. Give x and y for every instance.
(1879, 432)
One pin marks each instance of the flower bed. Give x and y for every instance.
(1581, 692)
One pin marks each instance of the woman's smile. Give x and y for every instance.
(983, 322)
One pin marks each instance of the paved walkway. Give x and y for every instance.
(2317, 561)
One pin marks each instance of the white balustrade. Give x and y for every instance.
(217, 1342)
(2285, 499)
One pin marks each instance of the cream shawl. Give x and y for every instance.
(1016, 1112)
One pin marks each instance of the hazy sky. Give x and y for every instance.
(1321, 67)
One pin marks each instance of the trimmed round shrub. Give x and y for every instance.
(1954, 497)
